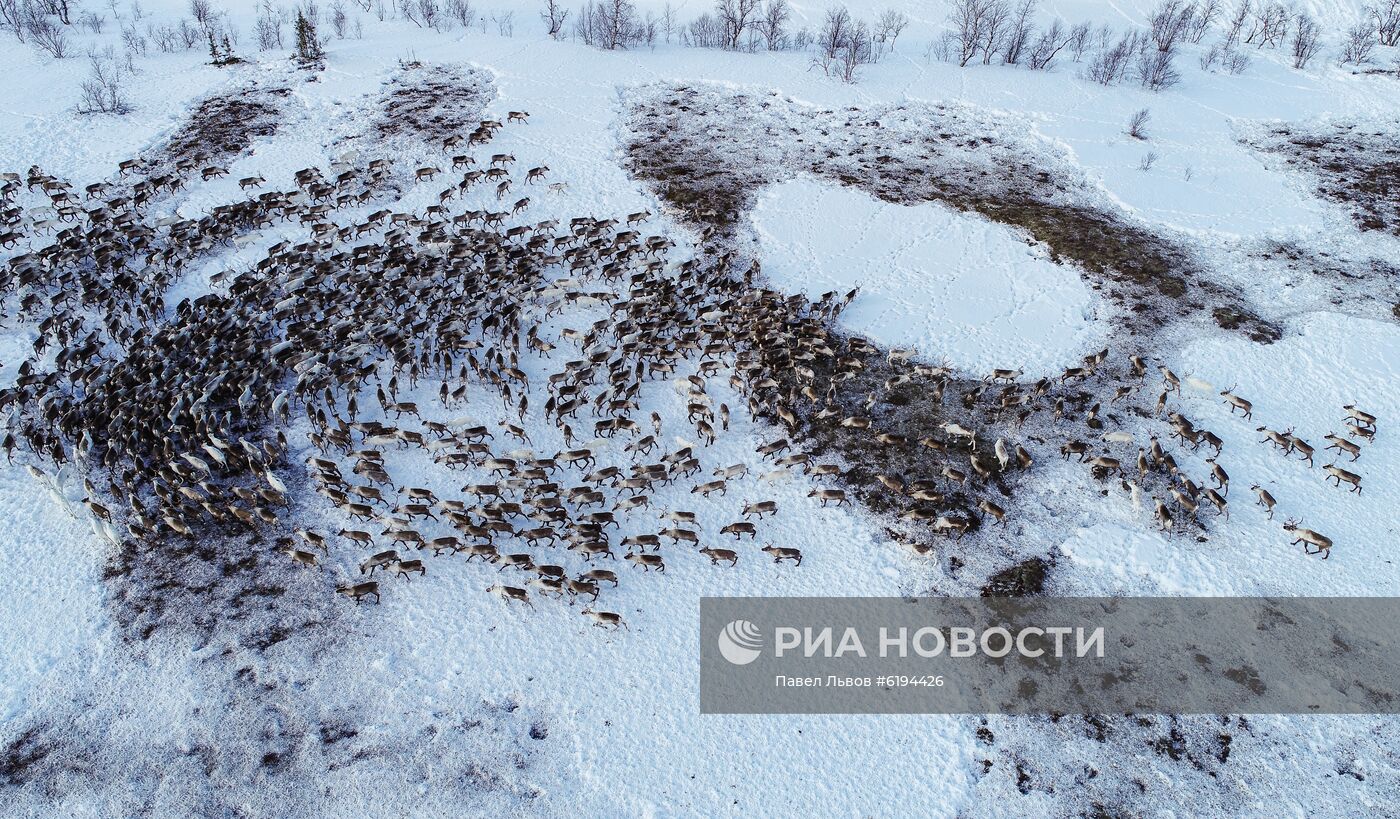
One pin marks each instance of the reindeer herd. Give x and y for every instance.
(175, 419)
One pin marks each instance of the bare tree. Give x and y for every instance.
(835, 33)
(1169, 23)
(890, 25)
(668, 21)
(1385, 17)
(13, 16)
(463, 13)
(1156, 69)
(430, 13)
(1205, 16)
(1269, 25)
(134, 42)
(102, 91)
(1305, 41)
(189, 35)
(267, 28)
(607, 24)
(93, 22)
(62, 9)
(997, 25)
(1137, 126)
(703, 32)
(1359, 43)
(1018, 37)
(1080, 40)
(202, 12)
(1234, 61)
(1241, 16)
(47, 35)
(735, 16)
(554, 17)
(340, 21)
(858, 50)
(1148, 160)
(969, 21)
(1110, 65)
(1047, 46)
(772, 25)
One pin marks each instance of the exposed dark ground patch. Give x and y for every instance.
(434, 102)
(1368, 287)
(219, 129)
(709, 152)
(1355, 166)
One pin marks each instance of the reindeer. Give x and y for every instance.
(314, 539)
(781, 553)
(1222, 480)
(379, 560)
(646, 561)
(1302, 447)
(1078, 448)
(511, 593)
(575, 588)
(1169, 380)
(485, 551)
(761, 508)
(1365, 419)
(1237, 402)
(1309, 538)
(957, 431)
(603, 619)
(706, 489)
(1336, 473)
(303, 560)
(521, 561)
(1265, 500)
(1219, 502)
(678, 535)
(677, 516)
(359, 591)
(1164, 516)
(599, 576)
(403, 568)
(546, 585)
(642, 542)
(837, 495)
(1278, 439)
(738, 530)
(1343, 445)
(716, 555)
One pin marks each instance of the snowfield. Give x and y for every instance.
(922, 284)
(444, 700)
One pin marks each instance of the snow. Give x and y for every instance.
(625, 733)
(949, 284)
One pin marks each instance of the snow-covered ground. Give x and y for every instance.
(943, 282)
(622, 733)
